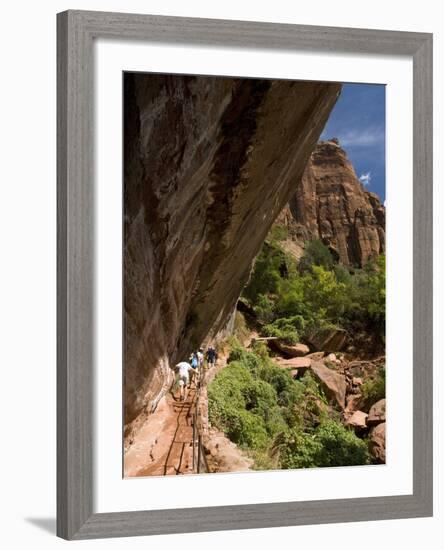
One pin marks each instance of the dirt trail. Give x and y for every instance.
(163, 446)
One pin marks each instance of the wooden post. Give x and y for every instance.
(199, 446)
(194, 441)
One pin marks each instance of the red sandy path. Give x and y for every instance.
(163, 446)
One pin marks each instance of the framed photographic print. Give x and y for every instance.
(244, 275)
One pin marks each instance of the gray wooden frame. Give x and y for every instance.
(76, 31)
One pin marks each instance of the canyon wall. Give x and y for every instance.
(209, 163)
(332, 205)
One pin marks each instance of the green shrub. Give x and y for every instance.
(266, 274)
(277, 233)
(339, 446)
(246, 429)
(240, 329)
(318, 295)
(316, 253)
(243, 405)
(298, 450)
(264, 308)
(278, 420)
(373, 388)
(331, 444)
(284, 329)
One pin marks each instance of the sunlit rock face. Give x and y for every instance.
(209, 164)
(331, 204)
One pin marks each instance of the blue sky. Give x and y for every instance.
(358, 121)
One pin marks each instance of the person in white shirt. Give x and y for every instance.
(183, 368)
(200, 357)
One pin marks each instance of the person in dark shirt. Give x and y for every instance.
(211, 356)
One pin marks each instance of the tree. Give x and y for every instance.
(316, 253)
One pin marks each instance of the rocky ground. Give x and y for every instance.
(341, 379)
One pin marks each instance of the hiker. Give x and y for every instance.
(211, 356)
(194, 360)
(200, 357)
(184, 369)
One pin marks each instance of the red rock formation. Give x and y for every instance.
(332, 205)
(208, 165)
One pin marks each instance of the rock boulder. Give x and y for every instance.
(332, 382)
(376, 414)
(377, 442)
(327, 339)
(357, 420)
(290, 350)
(352, 402)
(301, 364)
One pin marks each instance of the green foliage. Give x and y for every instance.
(297, 449)
(285, 328)
(330, 444)
(373, 388)
(311, 408)
(277, 233)
(316, 254)
(339, 446)
(240, 329)
(281, 422)
(239, 354)
(228, 397)
(319, 294)
(243, 405)
(266, 274)
(264, 308)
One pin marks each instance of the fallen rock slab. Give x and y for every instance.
(376, 414)
(295, 362)
(316, 355)
(329, 339)
(300, 364)
(292, 350)
(333, 383)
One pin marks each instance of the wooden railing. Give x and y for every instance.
(199, 458)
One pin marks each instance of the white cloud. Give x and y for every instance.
(366, 178)
(362, 138)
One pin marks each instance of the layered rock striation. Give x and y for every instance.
(209, 163)
(332, 205)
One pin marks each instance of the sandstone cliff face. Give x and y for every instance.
(332, 205)
(209, 164)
